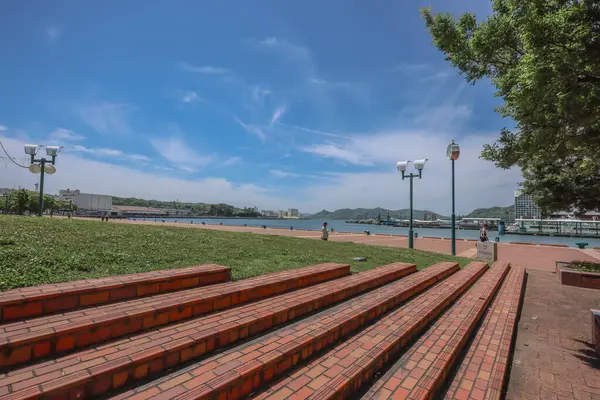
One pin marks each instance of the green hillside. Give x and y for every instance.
(372, 213)
(506, 213)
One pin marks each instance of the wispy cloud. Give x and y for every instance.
(66, 135)
(289, 48)
(437, 76)
(344, 154)
(180, 154)
(106, 152)
(258, 93)
(252, 129)
(283, 174)
(204, 69)
(278, 114)
(54, 33)
(107, 117)
(3, 128)
(313, 131)
(405, 67)
(190, 97)
(230, 161)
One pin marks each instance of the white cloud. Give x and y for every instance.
(110, 153)
(340, 153)
(190, 97)
(259, 93)
(283, 174)
(278, 114)
(92, 176)
(204, 69)
(230, 161)
(252, 129)
(106, 117)
(314, 131)
(65, 135)
(54, 33)
(180, 154)
(479, 183)
(287, 48)
(3, 128)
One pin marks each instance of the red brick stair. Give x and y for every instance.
(239, 371)
(98, 370)
(32, 339)
(343, 370)
(313, 332)
(36, 301)
(482, 373)
(423, 368)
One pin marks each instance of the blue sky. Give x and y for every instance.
(263, 103)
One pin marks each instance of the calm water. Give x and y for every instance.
(341, 226)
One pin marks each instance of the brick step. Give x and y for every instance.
(36, 301)
(33, 339)
(238, 371)
(342, 371)
(483, 371)
(423, 368)
(106, 367)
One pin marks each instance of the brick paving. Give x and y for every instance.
(32, 339)
(34, 301)
(554, 356)
(482, 372)
(242, 369)
(137, 356)
(423, 368)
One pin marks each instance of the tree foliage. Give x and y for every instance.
(200, 209)
(543, 56)
(22, 200)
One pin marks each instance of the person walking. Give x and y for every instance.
(324, 233)
(483, 233)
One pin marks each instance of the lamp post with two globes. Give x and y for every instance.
(41, 167)
(402, 166)
(453, 152)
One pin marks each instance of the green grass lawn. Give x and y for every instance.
(35, 250)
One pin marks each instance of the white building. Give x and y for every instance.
(86, 201)
(525, 207)
(293, 212)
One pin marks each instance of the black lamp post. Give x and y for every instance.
(453, 152)
(41, 166)
(402, 166)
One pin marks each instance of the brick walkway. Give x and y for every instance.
(553, 356)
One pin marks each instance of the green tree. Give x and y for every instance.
(21, 202)
(543, 56)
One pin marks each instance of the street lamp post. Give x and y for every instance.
(402, 167)
(453, 152)
(41, 167)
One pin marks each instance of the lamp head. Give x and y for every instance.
(53, 151)
(402, 165)
(420, 164)
(453, 151)
(31, 149)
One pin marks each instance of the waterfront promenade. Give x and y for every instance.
(537, 257)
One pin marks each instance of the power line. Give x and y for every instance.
(10, 158)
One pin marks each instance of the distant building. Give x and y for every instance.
(525, 207)
(293, 212)
(125, 211)
(86, 201)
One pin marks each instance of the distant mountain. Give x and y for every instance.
(506, 213)
(372, 213)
